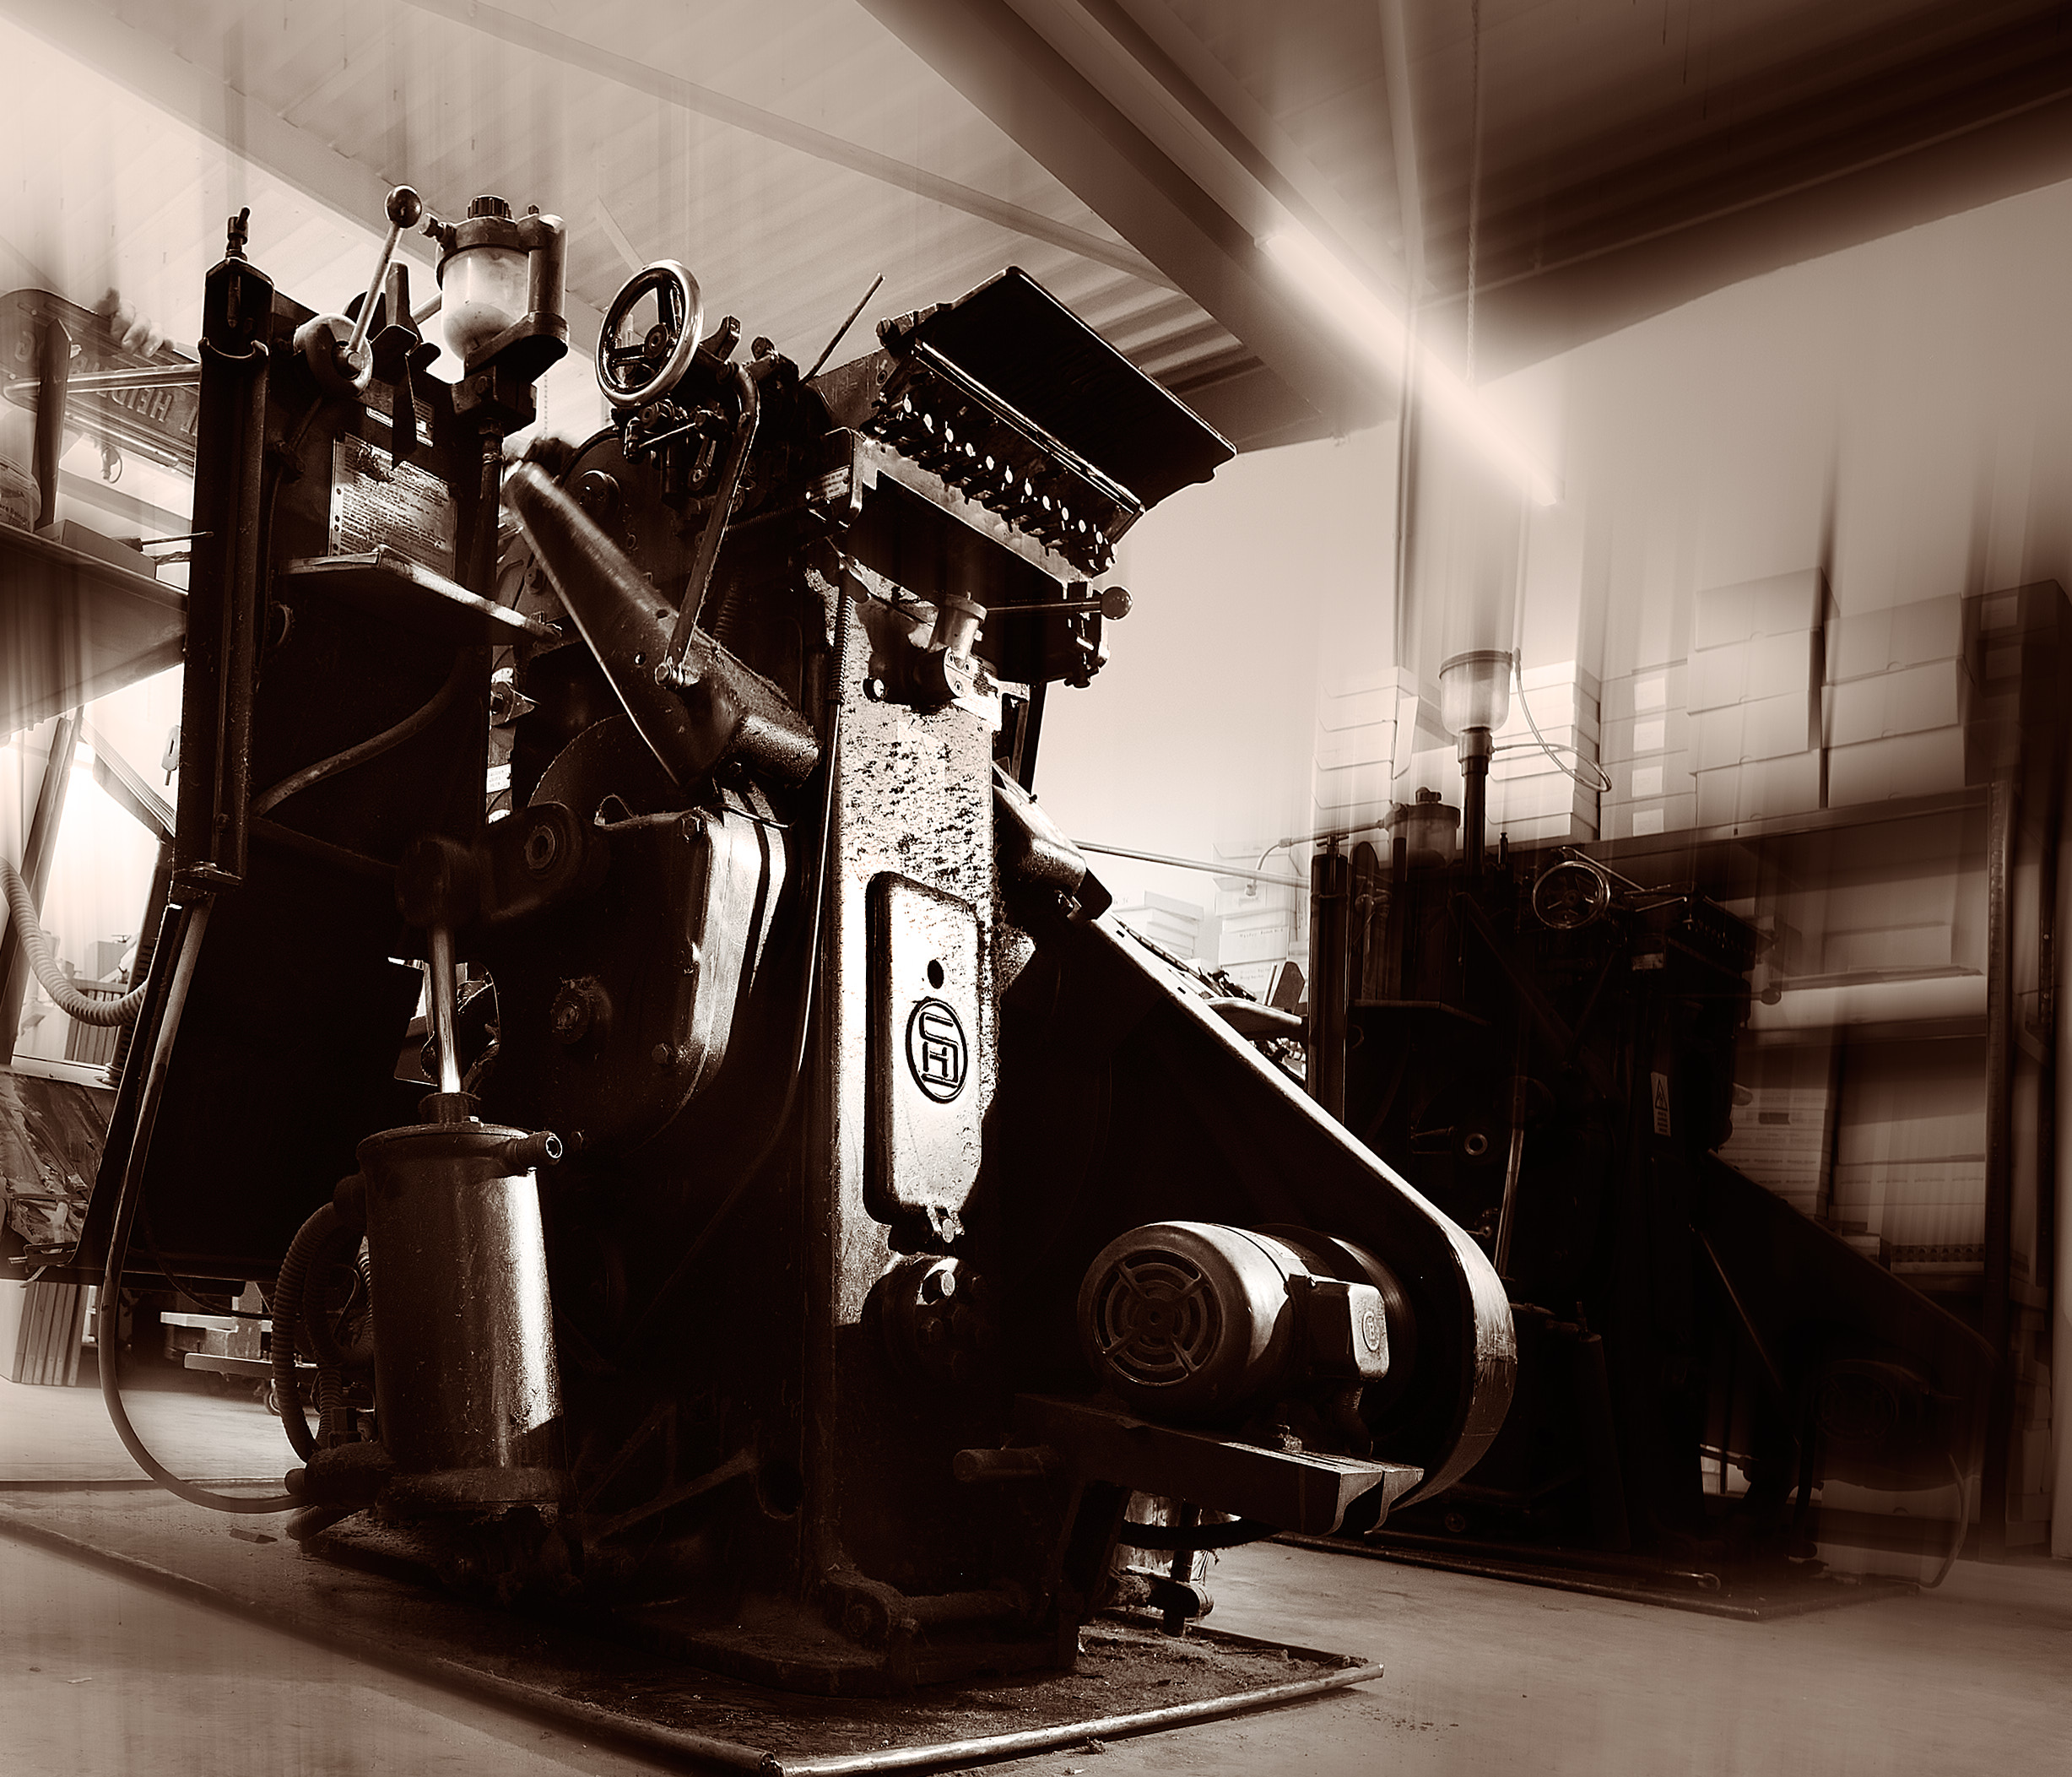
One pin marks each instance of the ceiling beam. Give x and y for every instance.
(1955, 128)
(1403, 144)
(1154, 67)
(687, 95)
(1030, 89)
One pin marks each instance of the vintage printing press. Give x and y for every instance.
(822, 1215)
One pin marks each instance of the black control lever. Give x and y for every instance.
(399, 349)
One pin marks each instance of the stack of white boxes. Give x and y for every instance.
(1898, 691)
(1783, 1137)
(1909, 1160)
(1364, 732)
(1174, 926)
(1755, 670)
(1249, 943)
(1647, 748)
(1535, 799)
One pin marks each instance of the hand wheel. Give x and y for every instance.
(635, 371)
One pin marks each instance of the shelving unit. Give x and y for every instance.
(1964, 961)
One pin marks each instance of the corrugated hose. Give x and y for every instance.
(36, 946)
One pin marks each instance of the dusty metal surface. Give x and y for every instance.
(580, 1670)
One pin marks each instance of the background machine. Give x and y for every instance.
(812, 1220)
(1547, 1050)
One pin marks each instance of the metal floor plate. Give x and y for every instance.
(554, 1665)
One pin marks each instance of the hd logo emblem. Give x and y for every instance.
(937, 1054)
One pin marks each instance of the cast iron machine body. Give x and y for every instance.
(818, 1222)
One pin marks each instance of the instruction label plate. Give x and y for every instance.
(375, 504)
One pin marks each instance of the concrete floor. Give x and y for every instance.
(97, 1674)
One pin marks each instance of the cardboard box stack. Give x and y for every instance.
(1897, 695)
(1172, 925)
(1532, 799)
(1249, 944)
(1363, 733)
(1783, 1137)
(1754, 690)
(1646, 753)
(1910, 1159)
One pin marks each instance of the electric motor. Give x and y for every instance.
(1192, 1321)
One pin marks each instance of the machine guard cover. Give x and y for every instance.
(1125, 1099)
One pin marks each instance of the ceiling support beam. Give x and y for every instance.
(1155, 70)
(1954, 127)
(1003, 66)
(559, 47)
(1402, 143)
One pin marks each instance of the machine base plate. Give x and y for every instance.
(565, 1667)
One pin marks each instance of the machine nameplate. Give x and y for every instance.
(377, 504)
(937, 1054)
(923, 1122)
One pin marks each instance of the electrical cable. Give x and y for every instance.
(107, 1312)
(1603, 786)
(180, 1289)
(296, 782)
(1963, 1524)
(36, 946)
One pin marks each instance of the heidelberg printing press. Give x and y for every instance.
(807, 1199)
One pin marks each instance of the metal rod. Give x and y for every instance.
(53, 381)
(1107, 1727)
(1996, 1316)
(374, 290)
(158, 375)
(444, 990)
(714, 534)
(38, 851)
(1189, 864)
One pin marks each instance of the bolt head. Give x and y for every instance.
(570, 1015)
(542, 847)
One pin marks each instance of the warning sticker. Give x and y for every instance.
(1660, 1086)
(375, 504)
(381, 397)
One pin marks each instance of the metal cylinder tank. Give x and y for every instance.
(469, 1397)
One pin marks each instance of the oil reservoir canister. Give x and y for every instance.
(468, 1398)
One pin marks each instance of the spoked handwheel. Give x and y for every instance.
(641, 361)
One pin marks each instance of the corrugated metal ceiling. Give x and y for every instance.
(1606, 158)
